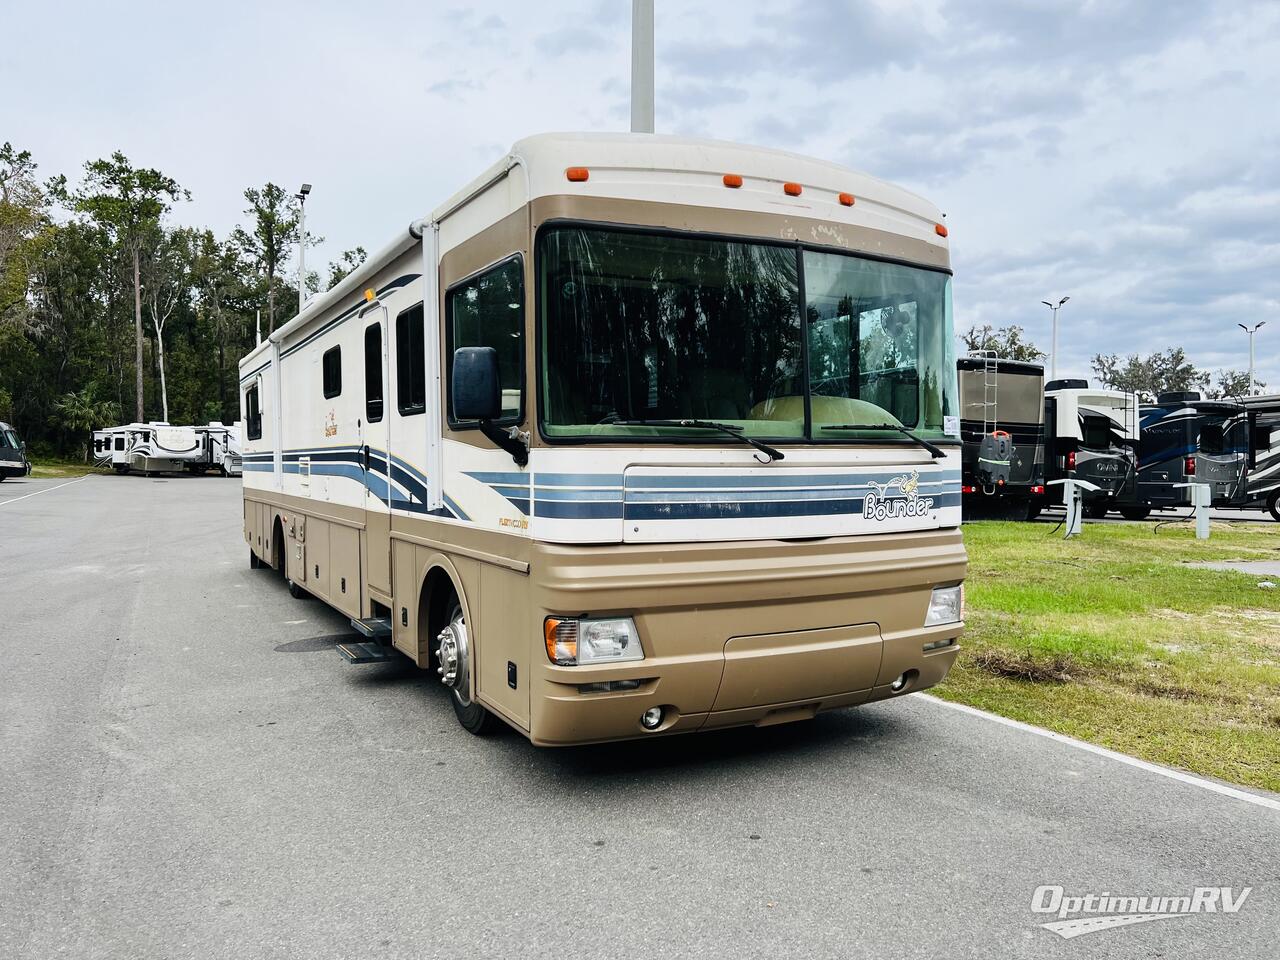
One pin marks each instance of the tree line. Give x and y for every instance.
(1148, 376)
(111, 311)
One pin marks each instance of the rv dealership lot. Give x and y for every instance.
(191, 771)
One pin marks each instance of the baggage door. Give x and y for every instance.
(375, 452)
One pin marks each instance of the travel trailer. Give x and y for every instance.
(149, 448)
(1002, 428)
(1262, 477)
(634, 435)
(1184, 439)
(1091, 435)
(220, 444)
(13, 454)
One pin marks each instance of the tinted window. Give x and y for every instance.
(1096, 433)
(488, 311)
(373, 373)
(411, 387)
(120, 443)
(252, 417)
(331, 363)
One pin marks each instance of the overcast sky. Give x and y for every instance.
(1123, 152)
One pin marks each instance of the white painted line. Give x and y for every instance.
(1271, 803)
(45, 490)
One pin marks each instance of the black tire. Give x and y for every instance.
(1033, 509)
(1274, 506)
(295, 591)
(1096, 509)
(254, 562)
(1135, 511)
(474, 718)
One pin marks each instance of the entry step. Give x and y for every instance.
(375, 628)
(365, 651)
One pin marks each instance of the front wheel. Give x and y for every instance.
(455, 657)
(1274, 506)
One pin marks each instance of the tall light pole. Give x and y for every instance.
(1053, 357)
(642, 66)
(302, 245)
(1251, 331)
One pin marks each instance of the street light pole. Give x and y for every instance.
(1251, 331)
(1053, 356)
(302, 245)
(642, 66)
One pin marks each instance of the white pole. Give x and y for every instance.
(1053, 363)
(257, 323)
(642, 66)
(302, 252)
(1251, 333)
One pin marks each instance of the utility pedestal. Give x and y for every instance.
(1201, 499)
(1073, 497)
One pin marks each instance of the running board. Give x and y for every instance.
(365, 651)
(374, 628)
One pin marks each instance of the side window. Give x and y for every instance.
(373, 373)
(488, 311)
(411, 378)
(252, 416)
(119, 443)
(331, 364)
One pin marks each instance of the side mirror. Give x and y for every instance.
(476, 394)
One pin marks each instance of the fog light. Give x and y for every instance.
(651, 719)
(899, 683)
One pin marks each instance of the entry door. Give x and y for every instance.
(376, 456)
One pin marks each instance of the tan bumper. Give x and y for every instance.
(740, 634)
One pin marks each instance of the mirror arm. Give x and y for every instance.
(509, 440)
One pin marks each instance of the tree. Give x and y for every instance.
(128, 203)
(274, 233)
(166, 273)
(1161, 372)
(1007, 342)
(81, 411)
(23, 214)
(347, 261)
(1233, 384)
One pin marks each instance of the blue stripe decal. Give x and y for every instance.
(796, 480)
(578, 479)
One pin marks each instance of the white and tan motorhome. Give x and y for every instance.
(634, 435)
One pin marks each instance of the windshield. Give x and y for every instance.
(639, 326)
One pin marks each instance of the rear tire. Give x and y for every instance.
(1033, 510)
(1136, 512)
(456, 657)
(1096, 509)
(1274, 506)
(297, 592)
(254, 562)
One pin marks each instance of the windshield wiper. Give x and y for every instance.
(727, 429)
(935, 451)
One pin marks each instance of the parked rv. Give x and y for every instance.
(1091, 435)
(220, 444)
(1262, 477)
(1185, 439)
(154, 447)
(13, 454)
(1002, 428)
(634, 435)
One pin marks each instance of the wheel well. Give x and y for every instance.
(433, 610)
(277, 545)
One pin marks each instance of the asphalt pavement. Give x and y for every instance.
(190, 770)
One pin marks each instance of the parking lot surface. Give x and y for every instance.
(190, 770)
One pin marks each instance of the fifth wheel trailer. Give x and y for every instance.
(634, 435)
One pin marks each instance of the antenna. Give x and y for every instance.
(642, 66)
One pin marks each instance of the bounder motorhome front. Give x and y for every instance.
(634, 435)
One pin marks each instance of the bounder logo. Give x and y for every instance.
(878, 505)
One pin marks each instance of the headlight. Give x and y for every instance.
(946, 605)
(586, 642)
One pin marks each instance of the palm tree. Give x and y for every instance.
(80, 412)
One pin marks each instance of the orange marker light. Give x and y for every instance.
(847, 199)
(939, 229)
(732, 180)
(792, 189)
(369, 295)
(577, 174)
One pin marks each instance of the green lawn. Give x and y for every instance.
(1111, 638)
(63, 468)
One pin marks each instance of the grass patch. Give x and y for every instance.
(46, 469)
(1111, 637)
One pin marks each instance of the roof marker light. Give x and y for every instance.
(792, 189)
(939, 229)
(733, 180)
(369, 295)
(848, 199)
(577, 174)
